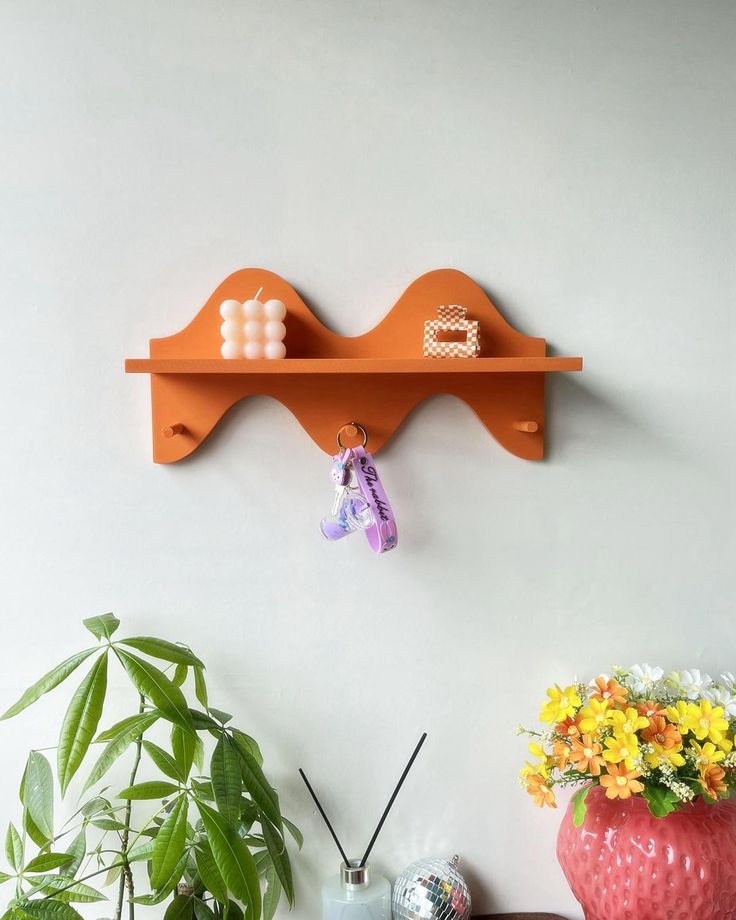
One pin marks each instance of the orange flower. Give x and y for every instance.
(585, 755)
(711, 779)
(621, 783)
(561, 754)
(569, 728)
(650, 709)
(540, 792)
(609, 689)
(662, 733)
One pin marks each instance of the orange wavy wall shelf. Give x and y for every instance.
(329, 380)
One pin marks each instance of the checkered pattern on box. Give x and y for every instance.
(452, 318)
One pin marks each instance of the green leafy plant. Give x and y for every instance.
(212, 844)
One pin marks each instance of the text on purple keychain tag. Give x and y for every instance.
(382, 534)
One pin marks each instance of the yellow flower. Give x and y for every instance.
(534, 769)
(705, 720)
(594, 717)
(622, 748)
(706, 755)
(627, 722)
(678, 715)
(561, 704)
(660, 755)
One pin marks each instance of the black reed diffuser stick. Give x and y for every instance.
(391, 800)
(324, 817)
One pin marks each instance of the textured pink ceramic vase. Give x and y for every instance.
(625, 864)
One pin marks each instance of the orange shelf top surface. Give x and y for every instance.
(352, 365)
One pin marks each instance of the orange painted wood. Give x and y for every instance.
(328, 381)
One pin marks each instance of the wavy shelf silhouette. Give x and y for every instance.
(329, 380)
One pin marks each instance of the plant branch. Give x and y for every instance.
(126, 875)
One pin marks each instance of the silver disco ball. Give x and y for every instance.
(431, 889)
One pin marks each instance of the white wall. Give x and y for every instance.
(574, 158)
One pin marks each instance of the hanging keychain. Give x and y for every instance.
(360, 502)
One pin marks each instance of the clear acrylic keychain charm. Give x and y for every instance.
(360, 502)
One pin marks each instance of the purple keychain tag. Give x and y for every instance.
(382, 534)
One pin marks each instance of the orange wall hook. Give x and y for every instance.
(378, 377)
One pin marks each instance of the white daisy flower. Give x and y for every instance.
(722, 696)
(642, 678)
(693, 683)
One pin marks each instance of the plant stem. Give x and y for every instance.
(126, 875)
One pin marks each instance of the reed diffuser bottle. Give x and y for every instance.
(357, 893)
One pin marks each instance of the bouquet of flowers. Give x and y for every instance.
(666, 737)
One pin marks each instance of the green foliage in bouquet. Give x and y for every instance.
(213, 844)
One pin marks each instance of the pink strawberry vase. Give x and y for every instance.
(625, 864)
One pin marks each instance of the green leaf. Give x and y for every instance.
(661, 800)
(180, 674)
(48, 861)
(222, 717)
(80, 722)
(251, 743)
(578, 805)
(200, 687)
(168, 846)
(54, 677)
(107, 824)
(280, 858)
(47, 910)
(209, 873)
(256, 783)
(272, 894)
(202, 722)
(136, 726)
(124, 726)
(165, 890)
(65, 888)
(156, 686)
(143, 852)
(203, 911)
(160, 648)
(14, 847)
(183, 744)
(4, 877)
(232, 911)
(198, 758)
(102, 627)
(226, 782)
(233, 859)
(164, 761)
(181, 908)
(41, 840)
(37, 794)
(155, 789)
(77, 850)
(294, 831)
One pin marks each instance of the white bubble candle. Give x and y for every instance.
(253, 329)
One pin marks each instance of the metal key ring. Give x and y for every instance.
(346, 430)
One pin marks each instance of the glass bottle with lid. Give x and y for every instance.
(356, 894)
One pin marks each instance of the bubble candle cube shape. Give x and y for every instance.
(231, 329)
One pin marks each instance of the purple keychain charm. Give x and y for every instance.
(360, 501)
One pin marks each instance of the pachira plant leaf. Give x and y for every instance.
(151, 899)
(233, 859)
(181, 908)
(81, 721)
(256, 783)
(164, 761)
(102, 627)
(184, 746)
(227, 784)
(250, 743)
(66, 888)
(153, 789)
(200, 687)
(279, 858)
(77, 849)
(294, 831)
(45, 909)
(168, 847)
(272, 894)
(120, 742)
(202, 910)
(37, 796)
(180, 675)
(14, 847)
(153, 684)
(124, 726)
(160, 648)
(209, 873)
(50, 680)
(222, 717)
(48, 861)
